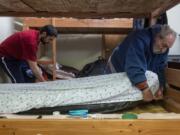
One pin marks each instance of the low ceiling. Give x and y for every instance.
(85, 8)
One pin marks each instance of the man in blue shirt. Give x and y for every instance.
(142, 50)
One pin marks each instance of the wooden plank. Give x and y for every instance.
(174, 94)
(121, 132)
(173, 77)
(98, 6)
(6, 131)
(36, 22)
(85, 26)
(92, 127)
(82, 23)
(174, 64)
(54, 52)
(3, 8)
(75, 14)
(94, 30)
(86, 8)
(15, 5)
(103, 23)
(165, 7)
(171, 105)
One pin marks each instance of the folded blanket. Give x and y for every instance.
(110, 88)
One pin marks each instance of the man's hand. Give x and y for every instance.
(36, 70)
(147, 95)
(159, 94)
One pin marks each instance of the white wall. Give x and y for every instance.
(76, 50)
(6, 27)
(174, 21)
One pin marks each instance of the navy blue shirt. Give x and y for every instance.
(135, 55)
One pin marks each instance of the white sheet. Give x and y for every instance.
(89, 90)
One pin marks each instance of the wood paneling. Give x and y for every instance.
(3, 8)
(171, 105)
(86, 8)
(80, 15)
(174, 94)
(85, 26)
(98, 6)
(173, 77)
(15, 5)
(164, 7)
(6, 131)
(92, 127)
(82, 23)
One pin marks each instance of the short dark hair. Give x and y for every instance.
(50, 30)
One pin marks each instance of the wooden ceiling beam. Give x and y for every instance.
(15, 6)
(75, 15)
(28, 5)
(103, 30)
(164, 8)
(83, 26)
(3, 8)
(85, 9)
(83, 23)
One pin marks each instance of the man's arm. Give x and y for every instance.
(161, 76)
(37, 72)
(135, 63)
(136, 66)
(161, 69)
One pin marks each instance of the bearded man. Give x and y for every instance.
(142, 50)
(21, 49)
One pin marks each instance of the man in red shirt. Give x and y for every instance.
(21, 48)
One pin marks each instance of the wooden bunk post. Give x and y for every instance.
(152, 20)
(54, 53)
(103, 48)
(25, 26)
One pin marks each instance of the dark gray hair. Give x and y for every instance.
(50, 30)
(166, 30)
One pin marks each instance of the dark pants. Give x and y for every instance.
(17, 70)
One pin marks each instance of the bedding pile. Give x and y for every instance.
(111, 88)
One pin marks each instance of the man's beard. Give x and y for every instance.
(42, 40)
(157, 50)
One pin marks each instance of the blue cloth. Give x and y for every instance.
(135, 55)
(138, 23)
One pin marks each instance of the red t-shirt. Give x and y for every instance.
(21, 45)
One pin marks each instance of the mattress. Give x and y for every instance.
(103, 89)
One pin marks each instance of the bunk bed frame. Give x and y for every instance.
(95, 9)
(76, 26)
